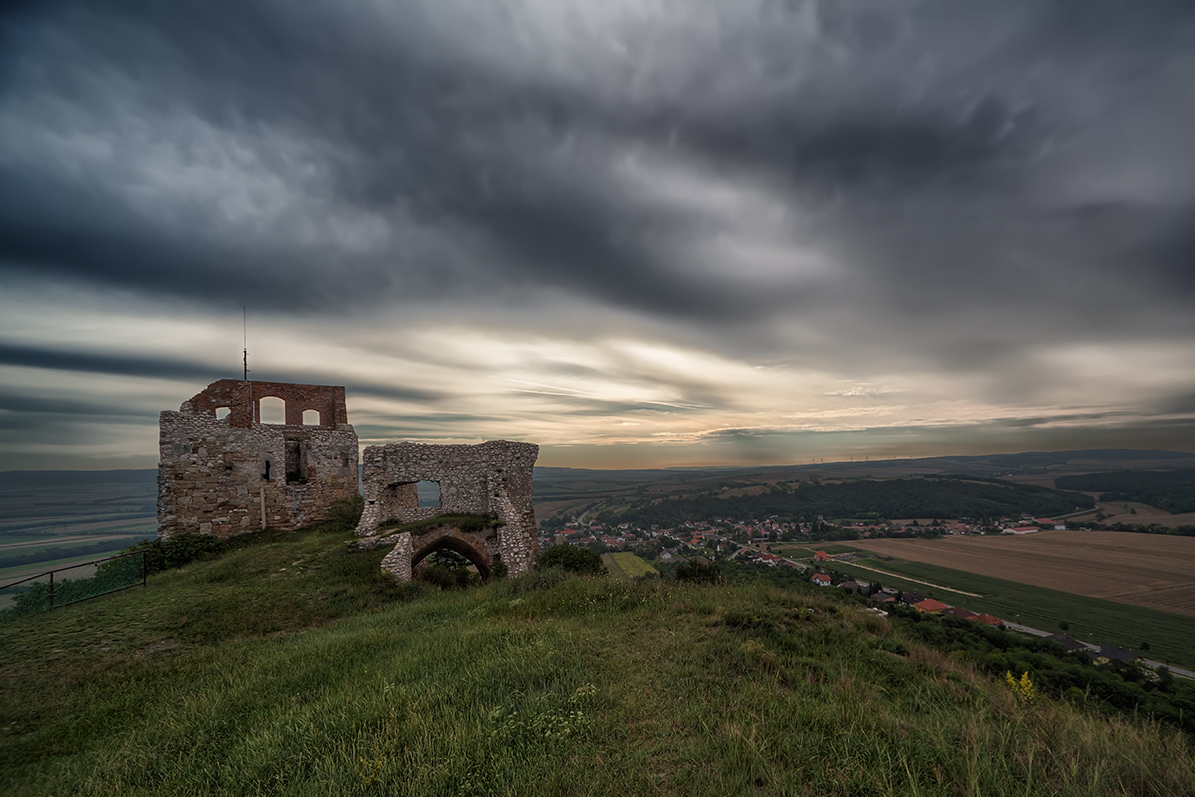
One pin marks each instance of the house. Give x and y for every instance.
(1067, 642)
(987, 619)
(911, 598)
(931, 606)
(821, 556)
(821, 579)
(960, 612)
(1116, 654)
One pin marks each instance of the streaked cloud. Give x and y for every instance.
(637, 233)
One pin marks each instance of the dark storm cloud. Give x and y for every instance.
(97, 363)
(40, 405)
(942, 157)
(169, 368)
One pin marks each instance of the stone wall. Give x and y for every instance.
(493, 478)
(233, 475)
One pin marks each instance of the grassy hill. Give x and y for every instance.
(290, 666)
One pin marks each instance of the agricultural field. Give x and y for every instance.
(807, 550)
(627, 565)
(1149, 570)
(1133, 513)
(1171, 637)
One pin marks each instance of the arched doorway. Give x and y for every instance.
(453, 539)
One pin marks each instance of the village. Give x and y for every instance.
(754, 543)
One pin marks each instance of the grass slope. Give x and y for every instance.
(292, 667)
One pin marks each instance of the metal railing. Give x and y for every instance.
(79, 582)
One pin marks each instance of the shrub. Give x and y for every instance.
(445, 577)
(346, 515)
(699, 573)
(572, 559)
(178, 550)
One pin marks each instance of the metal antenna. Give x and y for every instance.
(245, 331)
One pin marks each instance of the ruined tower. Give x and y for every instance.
(222, 471)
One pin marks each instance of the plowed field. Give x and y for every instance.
(1152, 570)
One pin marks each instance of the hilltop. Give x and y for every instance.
(291, 666)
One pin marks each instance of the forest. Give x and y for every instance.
(1171, 490)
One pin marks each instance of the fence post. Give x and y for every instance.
(143, 568)
(51, 589)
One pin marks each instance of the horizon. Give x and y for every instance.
(709, 467)
(638, 235)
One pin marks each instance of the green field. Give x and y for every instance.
(1171, 637)
(632, 566)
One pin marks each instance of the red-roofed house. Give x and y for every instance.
(931, 606)
(821, 579)
(821, 556)
(986, 619)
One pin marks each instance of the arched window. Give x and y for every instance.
(311, 418)
(272, 409)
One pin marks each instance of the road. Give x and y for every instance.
(1185, 673)
(914, 580)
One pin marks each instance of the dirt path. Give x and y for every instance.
(914, 580)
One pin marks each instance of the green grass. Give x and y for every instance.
(292, 667)
(464, 521)
(1171, 636)
(632, 566)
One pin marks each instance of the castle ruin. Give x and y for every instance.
(492, 478)
(222, 471)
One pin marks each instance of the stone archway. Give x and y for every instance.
(451, 538)
(492, 480)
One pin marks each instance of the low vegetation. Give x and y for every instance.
(572, 559)
(463, 521)
(293, 666)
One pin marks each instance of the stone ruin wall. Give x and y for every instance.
(232, 475)
(493, 478)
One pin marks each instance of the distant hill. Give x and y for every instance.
(557, 486)
(1171, 490)
(924, 497)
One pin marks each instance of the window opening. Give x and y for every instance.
(222, 413)
(311, 418)
(265, 474)
(296, 461)
(428, 492)
(271, 409)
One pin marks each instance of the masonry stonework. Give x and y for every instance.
(231, 475)
(493, 478)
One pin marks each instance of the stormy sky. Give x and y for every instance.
(644, 233)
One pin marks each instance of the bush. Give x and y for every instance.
(178, 550)
(572, 559)
(699, 573)
(346, 515)
(444, 577)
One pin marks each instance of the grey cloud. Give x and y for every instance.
(96, 363)
(41, 405)
(909, 141)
